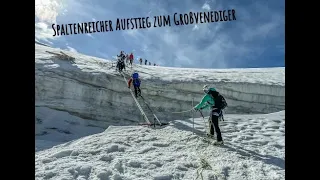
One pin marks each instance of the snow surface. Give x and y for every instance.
(266, 76)
(55, 127)
(254, 149)
(76, 101)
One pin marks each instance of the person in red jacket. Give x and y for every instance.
(131, 59)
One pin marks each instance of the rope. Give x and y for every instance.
(183, 111)
(137, 103)
(205, 124)
(204, 164)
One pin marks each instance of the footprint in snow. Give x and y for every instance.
(115, 148)
(160, 144)
(146, 150)
(106, 158)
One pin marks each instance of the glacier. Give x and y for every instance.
(87, 121)
(89, 88)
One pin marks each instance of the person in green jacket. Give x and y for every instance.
(208, 101)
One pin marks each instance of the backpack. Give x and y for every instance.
(135, 79)
(220, 101)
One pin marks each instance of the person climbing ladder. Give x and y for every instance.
(136, 83)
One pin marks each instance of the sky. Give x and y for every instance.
(254, 39)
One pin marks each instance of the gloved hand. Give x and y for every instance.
(129, 87)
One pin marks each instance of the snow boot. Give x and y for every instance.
(210, 135)
(218, 143)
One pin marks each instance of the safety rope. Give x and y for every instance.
(204, 164)
(204, 121)
(136, 101)
(183, 111)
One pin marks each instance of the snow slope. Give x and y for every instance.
(55, 127)
(254, 150)
(76, 100)
(89, 88)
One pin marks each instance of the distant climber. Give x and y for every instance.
(121, 65)
(120, 62)
(118, 59)
(145, 62)
(215, 101)
(136, 83)
(149, 63)
(154, 64)
(131, 59)
(127, 58)
(140, 60)
(121, 55)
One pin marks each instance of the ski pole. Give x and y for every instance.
(192, 118)
(201, 114)
(205, 124)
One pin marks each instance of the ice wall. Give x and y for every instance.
(90, 88)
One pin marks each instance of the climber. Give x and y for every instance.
(121, 55)
(127, 58)
(136, 83)
(118, 59)
(121, 65)
(215, 101)
(120, 62)
(131, 59)
(140, 60)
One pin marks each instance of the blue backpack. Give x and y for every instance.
(135, 78)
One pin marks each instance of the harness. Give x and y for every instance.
(219, 112)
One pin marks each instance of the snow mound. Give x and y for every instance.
(254, 149)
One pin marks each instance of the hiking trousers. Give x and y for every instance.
(137, 91)
(214, 125)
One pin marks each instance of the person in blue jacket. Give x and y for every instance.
(136, 83)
